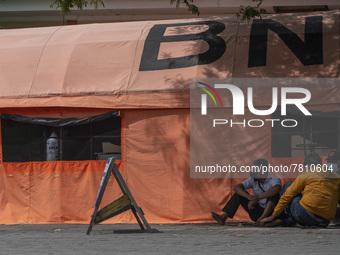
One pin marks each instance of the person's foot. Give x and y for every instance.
(220, 219)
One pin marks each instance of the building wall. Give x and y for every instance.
(37, 13)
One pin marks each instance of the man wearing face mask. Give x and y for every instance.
(317, 205)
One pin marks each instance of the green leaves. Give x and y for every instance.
(66, 5)
(191, 7)
(247, 13)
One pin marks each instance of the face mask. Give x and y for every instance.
(333, 167)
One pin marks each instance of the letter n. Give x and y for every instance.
(156, 36)
(308, 52)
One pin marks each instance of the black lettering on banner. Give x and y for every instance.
(156, 36)
(309, 52)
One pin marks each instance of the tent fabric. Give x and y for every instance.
(54, 70)
(86, 70)
(52, 192)
(65, 191)
(58, 122)
(155, 166)
(55, 112)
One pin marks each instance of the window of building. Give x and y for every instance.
(88, 139)
(318, 133)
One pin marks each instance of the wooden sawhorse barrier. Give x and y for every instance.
(122, 204)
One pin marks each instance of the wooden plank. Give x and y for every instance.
(136, 216)
(102, 187)
(120, 205)
(120, 179)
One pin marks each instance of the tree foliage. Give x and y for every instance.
(245, 13)
(189, 3)
(66, 5)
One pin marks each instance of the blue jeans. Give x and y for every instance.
(299, 214)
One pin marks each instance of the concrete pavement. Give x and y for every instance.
(172, 239)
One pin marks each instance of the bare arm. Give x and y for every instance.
(290, 193)
(273, 191)
(266, 219)
(267, 211)
(240, 190)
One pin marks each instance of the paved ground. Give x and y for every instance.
(173, 239)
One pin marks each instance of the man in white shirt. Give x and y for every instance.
(266, 190)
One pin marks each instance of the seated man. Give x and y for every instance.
(266, 190)
(321, 193)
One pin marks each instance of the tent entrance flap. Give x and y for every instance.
(122, 204)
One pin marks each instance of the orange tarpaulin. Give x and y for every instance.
(52, 191)
(84, 70)
(133, 64)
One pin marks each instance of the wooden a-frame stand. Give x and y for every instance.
(124, 203)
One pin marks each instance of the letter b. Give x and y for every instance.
(156, 36)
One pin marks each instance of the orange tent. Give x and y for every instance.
(143, 70)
